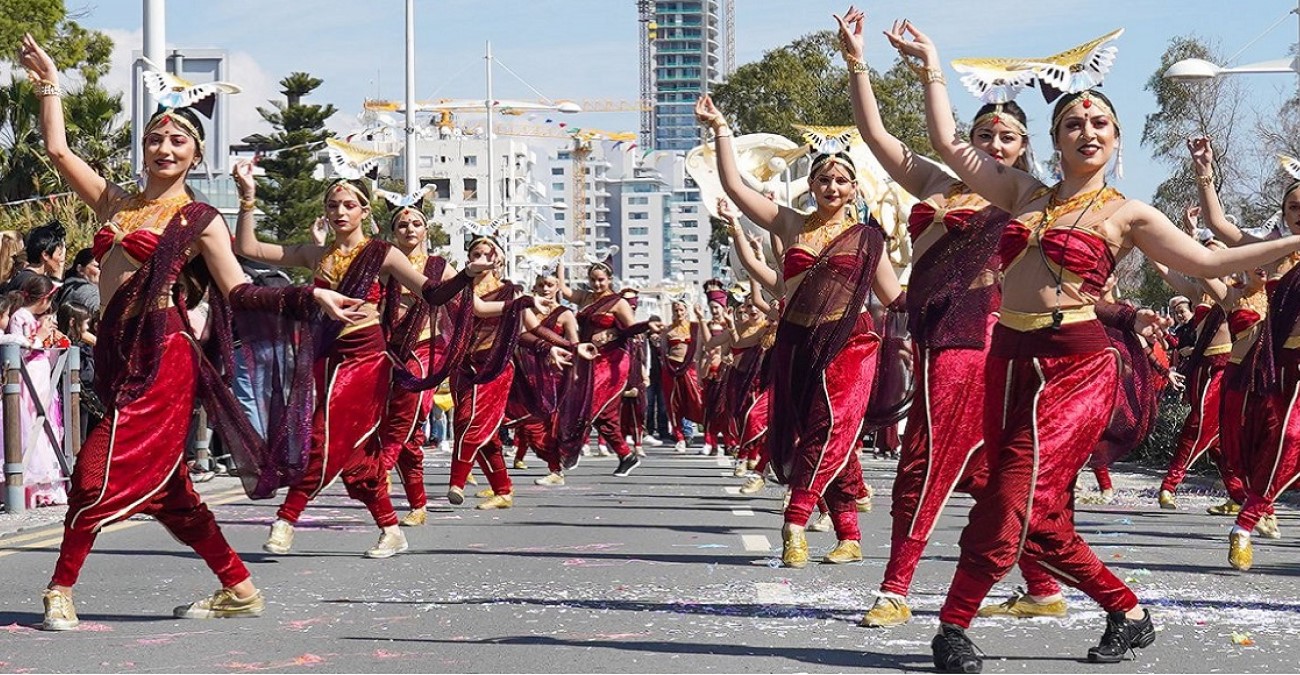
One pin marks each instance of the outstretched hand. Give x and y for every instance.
(338, 306)
(851, 33)
(588, 351)
(912, 43)
(707, 112)
(39, 65)
(1150, 325)
(1202, 155)
(728, 212)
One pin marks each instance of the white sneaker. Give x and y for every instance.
(445, 447)
(586, 450)
(550, 479)
(822, 524)
(629, 440)
(1107, 496)
(390, 544)
(651, 441)
(680, 447)
(281, 538)
(603, 450)
(640, 452)
(706, 449)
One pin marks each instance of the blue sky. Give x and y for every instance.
(587, 48)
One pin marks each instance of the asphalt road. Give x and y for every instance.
(669, 570)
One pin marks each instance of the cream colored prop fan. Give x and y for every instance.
(543, 258)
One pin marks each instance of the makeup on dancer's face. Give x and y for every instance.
(410, 229)
(546, 286)
(1000, 142)
(483, 253)
(1291, 211)
(169, 151)
(1086, 136)
(344, 210)
(832, 185)
(599, 279)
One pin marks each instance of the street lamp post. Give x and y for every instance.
(1199, 70)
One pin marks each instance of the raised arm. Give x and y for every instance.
(1211, 208)
(574, 295)
(767, 214)
(1005, 187)
(756, 297)
(91, 187)
(744, 248)
(915, 174)
(246, 242)
(1163, 242)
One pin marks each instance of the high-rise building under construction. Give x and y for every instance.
(687, 46)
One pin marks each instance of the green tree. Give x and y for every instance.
(71, 45)
(805, 82)
(289, 195)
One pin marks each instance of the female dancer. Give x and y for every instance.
(825, 353)
(151, 370)
(535, 394)
(715, 366)
(1268, 380)
(632, 411)
(352, 370)
(1050, 368)
(591, 396)
(679, 377)
(952, 294)
(411, 324)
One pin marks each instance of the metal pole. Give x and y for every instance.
(15, 495)
(72, 407)
(411, 179)
(491, 158)
(155, 46)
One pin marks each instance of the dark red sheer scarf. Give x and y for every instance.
(1259, 370)
(129, 350)
(1136, 397)
(1209, 328)
(537, 382)
(483, 369)
(573, 413)
(894, 386)
(743, 379)
(450, 326)
(817, 321)
(943, 310)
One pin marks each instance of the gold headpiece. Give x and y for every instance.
(1088, 99)
(998, 115)
(349, 186)
(167, 115)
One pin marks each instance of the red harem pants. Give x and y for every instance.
(402, 433)
(718, 431)
(826, 462)
(134, 463)
(942, 452)
(479, 413)
(352, 386)
(1047, 400)
(685, 400)
(1271, 437)
(530, 431)
(1233, 404)
(1200, 432)
(631, 418)
(753, 424)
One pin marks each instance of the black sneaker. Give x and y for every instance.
(1122, 636)
(954, 652)
(626, 464)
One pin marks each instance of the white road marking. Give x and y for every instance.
(774, 594)
(742, 512)
(756, 542)
(732, 490)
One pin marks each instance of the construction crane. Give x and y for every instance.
(645, 10)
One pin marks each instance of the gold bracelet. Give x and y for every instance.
(47, 88)
(933, 75)
(718, 132)
(247, 204)
(1206, 180)
(856, 66)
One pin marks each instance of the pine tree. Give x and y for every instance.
(288, 194)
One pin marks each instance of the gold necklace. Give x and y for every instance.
(139, 212)
(818, 231)
(335, 263)
(1092, 200)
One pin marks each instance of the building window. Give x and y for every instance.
(425, 162)
(471, 160)
(558, 187)
(638, 232)
(471, 190)
(559, 216)
(691, 237)
(471, 213)
(638, 201)
(557, 171)
(638, 215)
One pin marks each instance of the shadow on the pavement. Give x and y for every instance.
(33, 619)
(742, 560)
(700, 529)
(835, 658)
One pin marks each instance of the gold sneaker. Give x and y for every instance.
(1022, 606)
(864, 504)
(60, 614)
(485, 493)
(847, 551)
(741, 470)
(281, 538)
(223, 604)
(415, 518)
(456, 495)
(1107, 496)
(755, 484)
(1227, 508)
(550, 479)
(519, 464)
(886, 612)
(1267, 527)
(390, 544)
(1241, 555)
(751, 464)
(822, 524)
(1166, 500)
(497, 502)
(794, 549)
(471, 480)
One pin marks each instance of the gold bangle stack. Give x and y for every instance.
(722, 131)
(855, 66)
(247, 204)
(932, 75)
(47, 88)
(1205, 180)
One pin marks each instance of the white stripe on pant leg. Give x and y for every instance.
(1281, 447)
(1033, 479)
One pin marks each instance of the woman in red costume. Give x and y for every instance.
(715, 364)
(535, 394)
(1204, 366)
(1051, 370)
(633, 408)
(352, 371)
(823, 361)
(591, 397)
(411, 330)
(679, 377)
(1260, 394)
(952, 295)
(151, 362)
